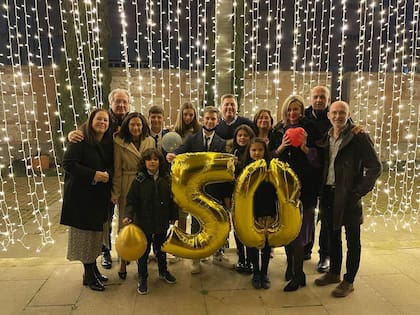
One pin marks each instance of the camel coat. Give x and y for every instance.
(126, 163)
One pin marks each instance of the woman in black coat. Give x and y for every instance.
(87, 192)
(303, 159)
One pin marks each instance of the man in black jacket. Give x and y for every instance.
(351, 168)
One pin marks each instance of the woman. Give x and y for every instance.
(187, 121)
(129, 143)
(87, 191)
(263, 122)
(186, 124)
(303, 160)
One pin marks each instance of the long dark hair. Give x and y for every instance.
(248, 130)
(180, 127)
(124, 132)
(88, 132)
(147, 155)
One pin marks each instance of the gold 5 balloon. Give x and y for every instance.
(191, 172)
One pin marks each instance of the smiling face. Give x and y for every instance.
(210, 120)
(228, 108)
(156, 122)
(294, 112)
(135, 127)
(100, 122)
(338, 115)
(242, 138)
(256, 151)
(264, 121)
(120, 103)
(319, 98)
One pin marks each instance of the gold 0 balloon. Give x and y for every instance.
(286, 226)
(190, 173)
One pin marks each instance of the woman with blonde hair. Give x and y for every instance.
(303, 160)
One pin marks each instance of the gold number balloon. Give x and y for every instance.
(283, 229)
(190, 173)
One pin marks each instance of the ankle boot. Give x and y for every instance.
(296, 282)
(90, 279)
(98, 274)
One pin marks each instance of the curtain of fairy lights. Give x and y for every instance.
(169, 39)
(367, 50)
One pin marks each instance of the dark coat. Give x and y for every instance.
(225, 131)
(356, 168)
(306, 166)
(150, 204)
(85, 203)
(195, 143)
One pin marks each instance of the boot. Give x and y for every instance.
(90, 279)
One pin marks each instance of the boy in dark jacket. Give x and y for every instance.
(151, 207)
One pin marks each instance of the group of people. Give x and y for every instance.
(116, 158)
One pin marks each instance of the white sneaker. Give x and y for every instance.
(221, 260)
(195, 266)
(172, 258)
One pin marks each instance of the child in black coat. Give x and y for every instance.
(265, 211)
(151, 207)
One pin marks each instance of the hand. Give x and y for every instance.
(284, 144)
(303, 146)
(101, 177)
(75, 136)
(357, 129)
(115, 201)
(170, 157)
(126, 221)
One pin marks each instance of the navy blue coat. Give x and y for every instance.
(195, 143)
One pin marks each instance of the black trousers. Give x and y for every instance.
(157, 240)
(254, 253)
(352, 237)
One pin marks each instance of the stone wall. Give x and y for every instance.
(25, 98)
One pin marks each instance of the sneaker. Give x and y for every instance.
(142, 286)
(106, 260)
(240, 267)
(248, 268)
(172, 259)
(167, 277)
(221, 260)
(327, 278)
(256, 281)
(265, 282)
(343, 289)
(195, 266)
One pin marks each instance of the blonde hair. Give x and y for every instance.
(292, 98)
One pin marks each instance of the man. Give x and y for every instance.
(317, 112)
(230, 119)
(351, 167)
(119, 104)
(156, 125)
(202, 141)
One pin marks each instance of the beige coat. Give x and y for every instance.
(126, 162)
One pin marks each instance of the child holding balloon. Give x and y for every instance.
(150, 206)
(265, 211)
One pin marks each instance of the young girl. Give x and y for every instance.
(265, 209)
(151, 207)
(241, 139)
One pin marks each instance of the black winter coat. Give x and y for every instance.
(150, 204)
(85, 203)
(356, 168)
